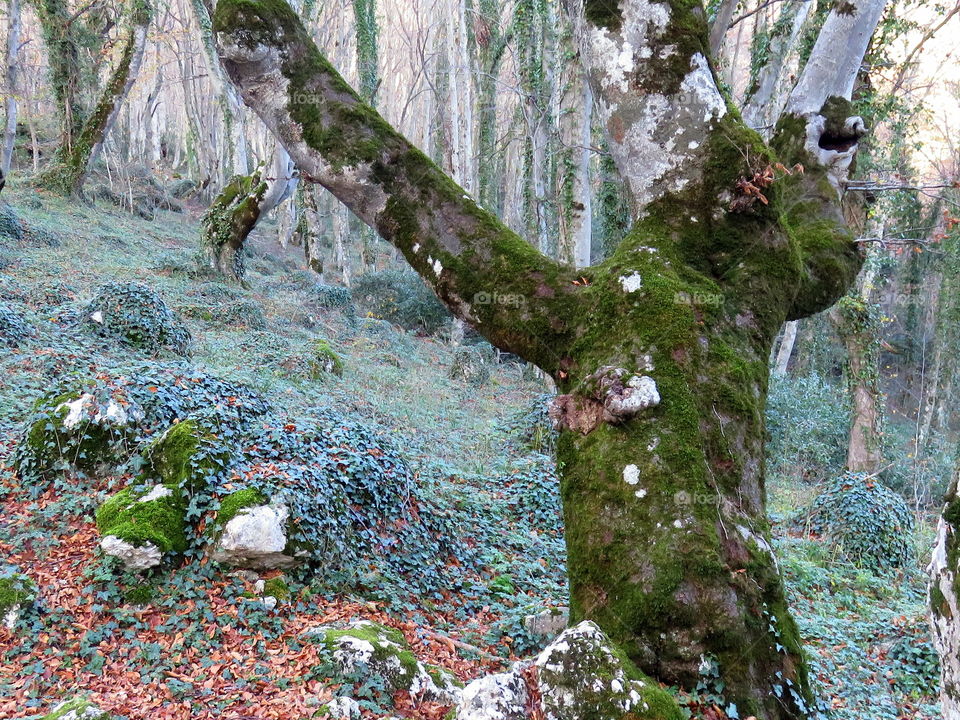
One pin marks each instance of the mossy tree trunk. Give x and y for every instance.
(229, 220)
(660, 352)
(67, 170)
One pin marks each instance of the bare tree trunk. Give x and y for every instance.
(765, 101)
(13, 86)
(786, 348)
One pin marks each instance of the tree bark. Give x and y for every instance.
(944, 595)
(660, 353)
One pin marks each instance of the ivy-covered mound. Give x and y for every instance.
(869, 523)
(216, 473)
(401, 297)
(324, 491)
(137, 316)
(96, 426)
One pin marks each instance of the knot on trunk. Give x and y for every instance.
(611, 394)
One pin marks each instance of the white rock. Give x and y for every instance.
(503, 696)
(75, 410)
(11, 617)
(256, 537)
(343, 708)
(134, 557)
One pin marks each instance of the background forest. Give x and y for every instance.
(307, 361)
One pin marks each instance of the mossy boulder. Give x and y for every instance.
(80, 430)
(580, 675)
(583, 675)
(137, 316)
(77, 709)
(17, 590)
(140, 526)
(325, 360)
(365, 650)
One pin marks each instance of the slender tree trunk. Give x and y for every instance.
(786, 348)
(765, 101)
(60, 35)
(12, 83)
(857, 323)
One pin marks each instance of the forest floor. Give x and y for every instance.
(205, 646)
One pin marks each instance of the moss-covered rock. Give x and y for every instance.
(143, 523)
(140, 526)
(580, 675)
(77, 709)
(325, 360)
(79, 430)
(584, 675)
(365, 650)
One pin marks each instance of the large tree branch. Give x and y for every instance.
(484, 272)
(654, 88)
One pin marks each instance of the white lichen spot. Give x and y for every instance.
(678, 523)
(641, 493)
(435, 264)
(416, 247)
(631, 474)
(156, 492)
(632, 282)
